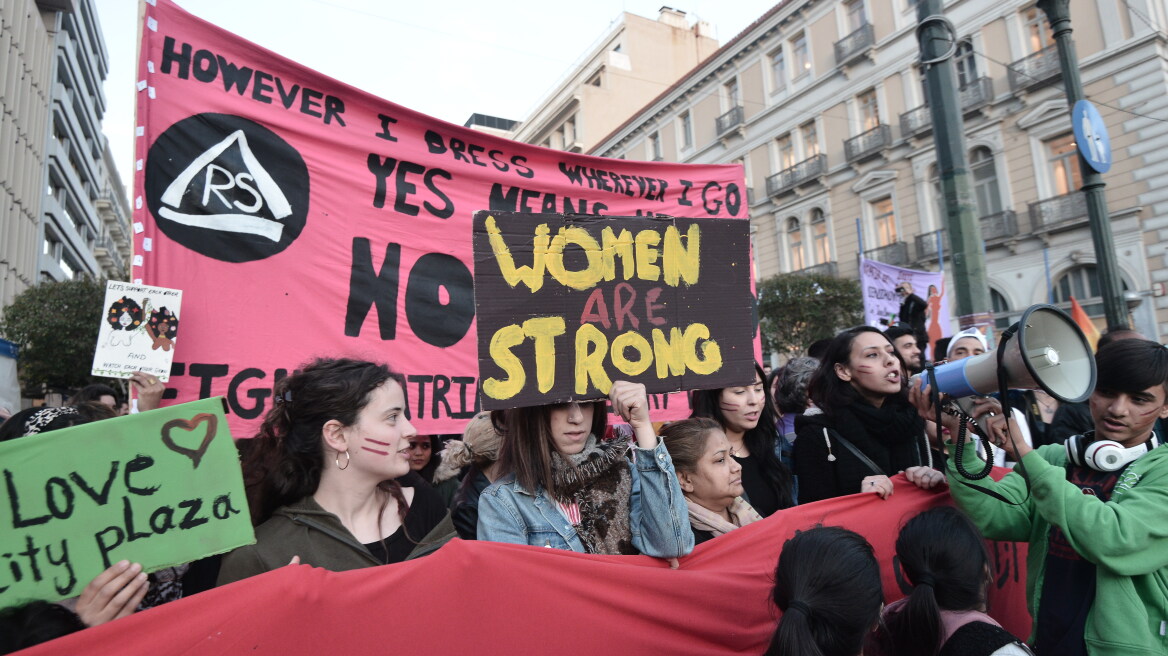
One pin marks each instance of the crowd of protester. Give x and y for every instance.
(337, 477)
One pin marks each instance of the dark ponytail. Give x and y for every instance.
(827, 585)
(944, 557)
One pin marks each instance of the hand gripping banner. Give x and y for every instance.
(302, 217)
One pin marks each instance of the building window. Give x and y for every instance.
(856, 18)
(1038, 34)
(595, 79)
(800, 57)
(810, 135)
(655, 147)
(779, 69)
(686, 130)
(785, 152)
(1082, 282)
(820, 243)
(985, 182)
(1064, 169)
(884, 221)
(1001, 309)
(869, 110)
(795, 244)
(733, 95)
(965, 63)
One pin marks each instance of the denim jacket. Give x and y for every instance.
(658, 517)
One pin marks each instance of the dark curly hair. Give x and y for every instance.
(128, 306)
(163, 316)
(285, 462)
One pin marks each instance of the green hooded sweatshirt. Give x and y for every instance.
(1126, 538)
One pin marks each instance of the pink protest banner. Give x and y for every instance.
(302, 217)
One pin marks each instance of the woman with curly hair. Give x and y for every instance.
(320, 476)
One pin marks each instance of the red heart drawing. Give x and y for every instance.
(189, 425)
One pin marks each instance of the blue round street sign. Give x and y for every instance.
(1091, 136)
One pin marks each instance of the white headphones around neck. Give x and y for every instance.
(1105, 455)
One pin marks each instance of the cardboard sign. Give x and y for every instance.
(138, 331)
(158, 488)
(567, 304)
(302, 217)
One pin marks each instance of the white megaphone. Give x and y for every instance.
(1046, 351)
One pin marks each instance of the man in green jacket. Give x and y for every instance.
(1096, 515)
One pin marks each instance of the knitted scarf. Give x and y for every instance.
(598, 481)
(704, 519)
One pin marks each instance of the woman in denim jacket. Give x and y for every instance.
(563, 488)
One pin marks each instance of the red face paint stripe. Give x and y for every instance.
(369, 439)
(380, 453)
(729, 406)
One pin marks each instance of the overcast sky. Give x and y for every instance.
(448, 59)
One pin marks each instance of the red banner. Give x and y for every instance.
(302, 217)
(518, 599)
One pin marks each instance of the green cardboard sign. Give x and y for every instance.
(158, 488)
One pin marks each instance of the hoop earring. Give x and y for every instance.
(347, 459)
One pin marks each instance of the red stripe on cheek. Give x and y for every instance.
(380, 453)
(728, 406)
(368, 439)
(864, 368)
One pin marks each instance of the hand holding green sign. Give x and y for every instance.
(159, 488)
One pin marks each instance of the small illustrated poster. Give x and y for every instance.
(139, 329)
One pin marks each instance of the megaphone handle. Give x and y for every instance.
(959, 450)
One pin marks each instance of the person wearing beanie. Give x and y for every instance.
(478, 449)
(966, 344)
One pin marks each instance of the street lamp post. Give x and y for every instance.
(1059, 14)
(938, 42)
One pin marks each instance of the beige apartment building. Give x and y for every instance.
(26, 79)
(63, 209)
(822, 102)
(629, 65)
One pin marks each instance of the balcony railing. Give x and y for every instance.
(915, 121)
(812, 167)
(993, 227)
(1058, 211)
(976, 94)
(868, 143)
(1035, 69)
(999, 226)
(895, 254)
(854, 44)
(729, 120)
(926, 244)
(824, 269)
